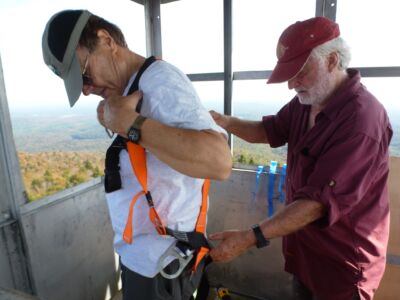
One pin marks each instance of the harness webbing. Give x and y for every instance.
(201, 221)
(137, 156)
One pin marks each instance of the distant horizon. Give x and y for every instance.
(37, 128)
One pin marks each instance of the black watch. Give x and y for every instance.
(134, 130)
(261, 241)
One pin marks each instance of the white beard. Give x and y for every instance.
(321, 89)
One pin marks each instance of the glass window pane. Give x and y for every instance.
(385, 90)
(257, 25)
(58, 147)
(211, 94)
(192, 35)
(268, 99)
(253, 99)
(369, 28)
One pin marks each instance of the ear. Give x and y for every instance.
(106, 39)
(333, 61)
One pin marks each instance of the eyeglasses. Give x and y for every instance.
(87, 80)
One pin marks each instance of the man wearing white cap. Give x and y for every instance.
(335, 223)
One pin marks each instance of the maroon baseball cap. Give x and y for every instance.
(296, 43)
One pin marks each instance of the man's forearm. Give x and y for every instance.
(292, 218)
(250, 131)
(201, 154)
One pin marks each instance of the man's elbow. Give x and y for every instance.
(224, 173)
(222, 167)
(219, 157)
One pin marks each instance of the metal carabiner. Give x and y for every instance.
(183, 257)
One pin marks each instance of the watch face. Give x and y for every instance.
(134, 135)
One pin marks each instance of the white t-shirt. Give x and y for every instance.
(168, 97)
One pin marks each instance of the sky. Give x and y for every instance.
(192, 39)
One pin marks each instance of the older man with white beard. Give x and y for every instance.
(335, 223)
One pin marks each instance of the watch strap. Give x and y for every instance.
(138, 122)
(261, 241)
(134, 132)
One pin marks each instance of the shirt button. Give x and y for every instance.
(332, 183)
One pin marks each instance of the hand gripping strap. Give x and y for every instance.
(112, 178)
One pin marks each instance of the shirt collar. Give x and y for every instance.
(343, 94)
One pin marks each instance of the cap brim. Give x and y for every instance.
(73, 81)
(284, 71)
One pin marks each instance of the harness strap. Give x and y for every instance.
(195, 239)
(137, 156)
(112, 177)
(128, 227)
(201, 222)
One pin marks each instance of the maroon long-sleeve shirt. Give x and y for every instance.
(341, 162)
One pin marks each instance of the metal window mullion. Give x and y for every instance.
(228, 74)
(326, 8)
(13, 196)
(152, 16)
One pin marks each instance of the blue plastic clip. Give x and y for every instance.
(271, 184)
(258, 175)
(281, 184)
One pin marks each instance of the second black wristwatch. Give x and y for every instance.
(134, 130)
(261, 241)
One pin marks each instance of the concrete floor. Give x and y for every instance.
(8, 294)
(212, 296)
(118, 296)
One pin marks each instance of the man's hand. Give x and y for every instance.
(233, 243)
(117, 113)
(220, 119)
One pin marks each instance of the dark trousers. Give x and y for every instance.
(138, 287)
(301, 292)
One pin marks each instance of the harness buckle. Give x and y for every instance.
(183, 253)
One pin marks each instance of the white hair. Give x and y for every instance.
(337, 45)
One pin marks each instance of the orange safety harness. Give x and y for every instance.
(137, 155)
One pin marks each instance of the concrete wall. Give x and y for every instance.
(389, 288)
(69, 240)
(258, 272)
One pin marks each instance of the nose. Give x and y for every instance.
(87, 89)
